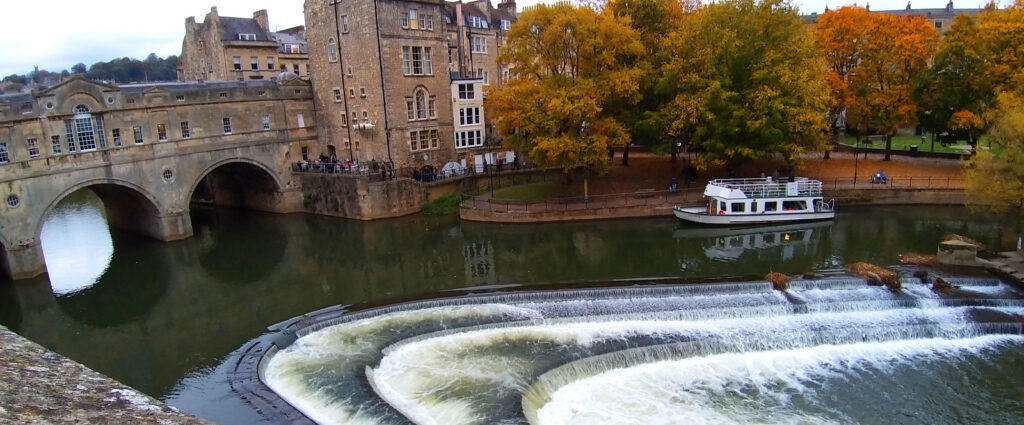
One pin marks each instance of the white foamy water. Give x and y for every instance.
(311, 373)
(738, 388)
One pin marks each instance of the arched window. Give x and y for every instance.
(421, 104)
(332, 50)
(85, 129)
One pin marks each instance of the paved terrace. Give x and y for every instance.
(38, 386)
(658, 203)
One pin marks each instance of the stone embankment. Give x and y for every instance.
(38, 386)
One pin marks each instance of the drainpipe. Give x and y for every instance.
(380, 61)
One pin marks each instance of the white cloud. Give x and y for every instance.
(59, 34)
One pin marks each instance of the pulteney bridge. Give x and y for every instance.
(147, 151)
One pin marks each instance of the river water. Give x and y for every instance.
(165, 317)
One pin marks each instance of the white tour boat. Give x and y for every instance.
(760, 200)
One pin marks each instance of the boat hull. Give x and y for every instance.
(700, 215)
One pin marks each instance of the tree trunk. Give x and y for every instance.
(625, 155)
(888, 145)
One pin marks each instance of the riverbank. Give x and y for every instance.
(38, 386)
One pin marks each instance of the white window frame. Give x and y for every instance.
(344, 24)
(478, 44)
(5, 154)
(116, 133)
(467, 91)
(332, 51)
(33, 147)
(161, 132)
(469, 115)
(137, 133)
(226, 122)
(506, 24)
(265, 121)
(468, 139)
(270, 63)
(186, 131)
(55, 145)
(414, 57)
(254, 63)
(236, 62)
(362, 92)
(338, 97)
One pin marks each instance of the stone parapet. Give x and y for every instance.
(38, 386)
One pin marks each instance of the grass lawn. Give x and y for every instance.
(531, 192)
(903, 143)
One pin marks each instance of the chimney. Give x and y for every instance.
(949, 7)
(190, 25)
(213, 12)
(260, 16)
(508, 6)
(908, 8)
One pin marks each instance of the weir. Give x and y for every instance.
(502, 358)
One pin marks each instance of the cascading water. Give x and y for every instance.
(829, 350)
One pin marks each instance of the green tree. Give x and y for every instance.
(959, 88)
(569, 63)
(748, 83)
(78, 68)
(998, 181)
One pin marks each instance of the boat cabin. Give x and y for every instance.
(763, 196)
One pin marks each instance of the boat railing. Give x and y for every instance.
(771, 188)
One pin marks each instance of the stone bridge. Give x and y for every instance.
(163, 146)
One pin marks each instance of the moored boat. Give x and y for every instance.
(760, 200)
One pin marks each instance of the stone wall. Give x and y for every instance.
(38, 386)
(359, 198)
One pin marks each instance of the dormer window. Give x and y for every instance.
(506, 24)
(477, 22)
(247, 37)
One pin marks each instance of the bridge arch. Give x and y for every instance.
(128, 206)
(238, 182)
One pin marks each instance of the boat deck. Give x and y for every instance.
(759, 188)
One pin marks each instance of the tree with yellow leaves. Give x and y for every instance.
(748, 83)
(569, 63)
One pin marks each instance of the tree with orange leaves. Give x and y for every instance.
(841, 35)
(896, 51)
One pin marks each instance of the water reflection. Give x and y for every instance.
(220, 233)
(783, 242)
(76, 242)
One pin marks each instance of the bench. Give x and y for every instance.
(644, 193)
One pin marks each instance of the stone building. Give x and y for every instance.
(382, 69)
(941, 18)
(223, 48)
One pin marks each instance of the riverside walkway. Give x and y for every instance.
(648, 202)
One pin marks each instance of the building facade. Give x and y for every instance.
(382, 71)
(223, 48)
(940, 18)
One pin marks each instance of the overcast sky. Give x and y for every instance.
(100, 30)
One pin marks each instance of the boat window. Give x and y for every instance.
(769, 237)
(794, 205)
(771, 206)
(753, 206)
(739, 207)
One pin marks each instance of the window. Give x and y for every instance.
(362, 92)
(254, 63)
(427, 22)
(247, 36)
(237, 61)
(468, 139)
(223, 94)
(298, 119)
(33, 148)
(432, 108)
(69, 130)
(349, 71)
(344, 120)
(4, 155)
(469, 116)
(117, 136)
(478, 44)
(794, 205)
(411, 109)
(506, 24)
(480, 73)
(227, 125)
(739, 207)
(355, 117)
(466, 91)
(351, 92)
(305, 153)
(26, 108)
(84, 129)
(55, 144)
(344, 23)
(337, 95)
(422, 140)
(410, 20)
(131, 101)
(416, 61)
(138, 134)
(332, 51)
(265, 120)
(180, 98)
(938, 25)
(295, 68)
(366, 116)
(477, 21)
(421, 104)
(100, 134)
(405, 20)
(270, 63)
(186, 132)
(161, 132)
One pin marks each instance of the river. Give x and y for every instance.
(164, 317)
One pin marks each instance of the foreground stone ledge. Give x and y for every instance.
(38, 386)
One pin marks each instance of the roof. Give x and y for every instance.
(231, 27)
(16, 98)
(937, 11)
(194, 85)
(284, 38)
